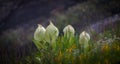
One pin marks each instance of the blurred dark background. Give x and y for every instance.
(19, 19)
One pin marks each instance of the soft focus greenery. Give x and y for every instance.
(102, 50)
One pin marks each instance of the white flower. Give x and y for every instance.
(39, 33)
(69, 31)
(84, 38)
(51, 33)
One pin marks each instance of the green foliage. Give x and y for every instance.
(69, 51)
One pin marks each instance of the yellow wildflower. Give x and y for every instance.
(73, 46)
(106, 61)
(71, 49)
(81, 56)
(60, 56)
(105, 47)
(118, 47)
(99, 62)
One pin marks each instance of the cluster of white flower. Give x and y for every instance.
(51, 33)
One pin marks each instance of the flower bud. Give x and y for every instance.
(51, 33)
(84, 37)
(69, 31)
(39, 33)
(83, 40)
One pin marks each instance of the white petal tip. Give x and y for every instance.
(39, 25)
(51, 22)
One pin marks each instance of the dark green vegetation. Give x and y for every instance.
(105, 50)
